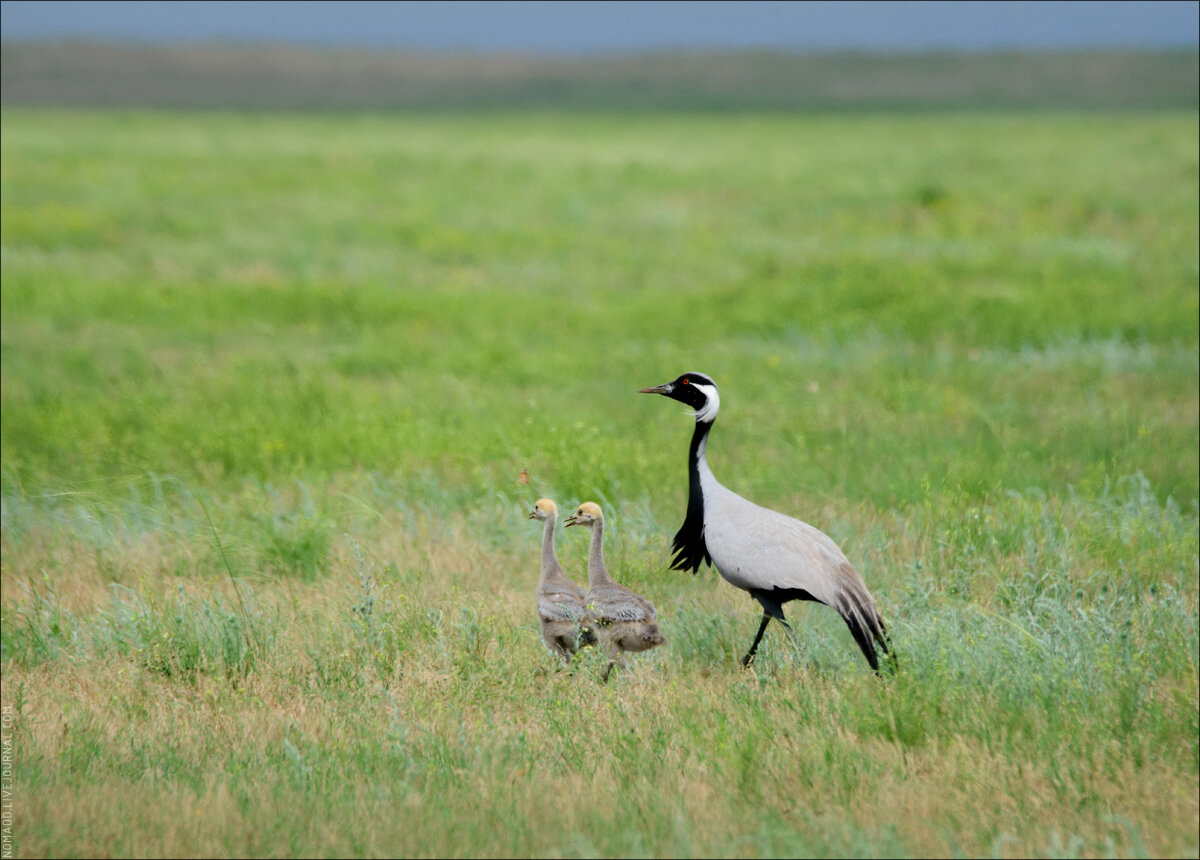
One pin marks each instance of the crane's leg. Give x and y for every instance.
(762, 628)
(791, 634)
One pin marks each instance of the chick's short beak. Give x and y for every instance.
(570, 521)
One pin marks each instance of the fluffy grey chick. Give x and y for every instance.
(560, 602)
(624, 620)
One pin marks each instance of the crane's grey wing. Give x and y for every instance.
(756, 548)
(764, 552)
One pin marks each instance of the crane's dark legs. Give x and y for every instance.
(791, 635)
(773, 608)
(867, 629)
(762, 628)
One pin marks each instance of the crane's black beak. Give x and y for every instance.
(665, 388)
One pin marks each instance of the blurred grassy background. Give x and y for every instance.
(998, 301)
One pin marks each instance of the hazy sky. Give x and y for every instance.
(612, 25)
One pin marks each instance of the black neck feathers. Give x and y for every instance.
(688, 546)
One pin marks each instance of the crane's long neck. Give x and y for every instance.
(699, 474)
(688, 546)
(597, 572)
(551, 569)
(698, 463)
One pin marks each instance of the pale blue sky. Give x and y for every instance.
(613, 25)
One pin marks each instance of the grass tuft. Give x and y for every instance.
(183, 636)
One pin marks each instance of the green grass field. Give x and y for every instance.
(268, 382)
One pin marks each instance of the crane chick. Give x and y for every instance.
(625, 620)
(560, 602)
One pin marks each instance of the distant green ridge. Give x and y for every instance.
(219, 75)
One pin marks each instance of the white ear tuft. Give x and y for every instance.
(712, 402)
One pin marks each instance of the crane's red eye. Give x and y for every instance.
(683, 382)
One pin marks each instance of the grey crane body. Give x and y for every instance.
(774, 557)
(624, 620)
(561, 609)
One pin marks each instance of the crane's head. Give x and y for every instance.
(543, 509)
(694, 389)
(587, 515)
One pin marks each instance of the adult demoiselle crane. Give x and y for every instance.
(774, 557)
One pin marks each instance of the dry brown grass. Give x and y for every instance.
(626, 750)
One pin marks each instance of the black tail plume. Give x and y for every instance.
(869, 632)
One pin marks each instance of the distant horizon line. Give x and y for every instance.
(676, 50)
